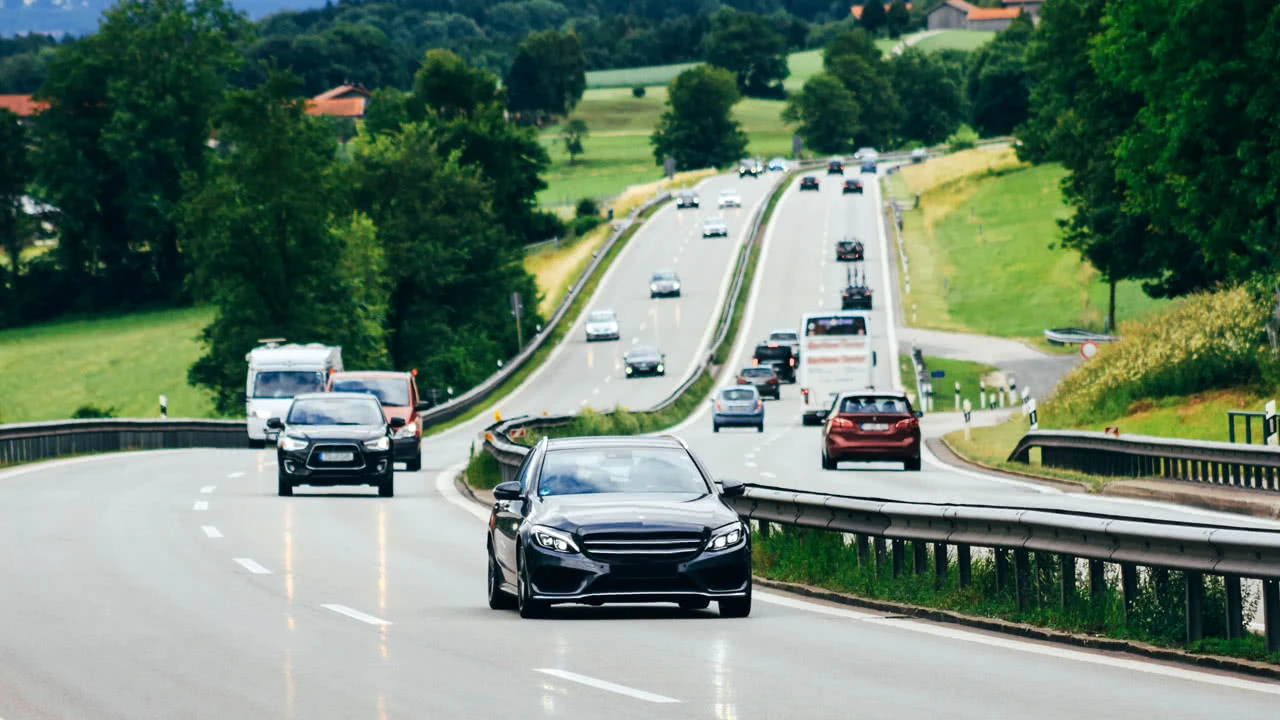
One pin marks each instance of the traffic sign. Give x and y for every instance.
(937, 373)
(1088, 349)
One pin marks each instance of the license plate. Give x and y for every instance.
(875, 426)
(337, 457)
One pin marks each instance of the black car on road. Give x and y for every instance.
(808, 182)
(852, 185)
(616, 520)
(856, 297)
(687, 199)
(835, 167)
(868, 166)
(850, 250)
(777, 356)
(752, 167)
(335, 438)
(644, 360)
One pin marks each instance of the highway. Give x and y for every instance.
(177, 585)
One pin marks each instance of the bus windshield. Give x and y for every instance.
(836, 325)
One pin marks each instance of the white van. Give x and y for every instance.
(277, 373)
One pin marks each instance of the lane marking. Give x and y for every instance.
(207, 489)
(252, 566)
(200, 506)
(236, 475)
(450, 492)
(596, 391)
(886, 274)
(767, 475)
(211, 531)
(355, 614)
(749, 464)
(606, 685)
(641, 327)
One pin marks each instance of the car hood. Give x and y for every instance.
(601, 326)
(663, 283)
(336, 432)
(634, 511)
(642, 358)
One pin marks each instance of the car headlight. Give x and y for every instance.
(660, 368)
(408, 431)
(727, 537)
(675, 286)
(262, 414)
(291, 444)
(381, 443)
(653, 287)
(554, 540)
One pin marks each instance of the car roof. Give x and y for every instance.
(335, 396)
(897, 394)
(389, 374)
(775, 331)
(748, 388)
(597, 441)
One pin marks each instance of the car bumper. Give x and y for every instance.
(665, 293)
(808, 187)
(848, 256)
(738, 419)
(860, 305)
(406, 448)
(578, 578)
(731, 205)
(682, 206)
(871, 448)
(715, 233)
(304, 470)
(603, 336)
(853, 190)
(632, 371)
(772, 391)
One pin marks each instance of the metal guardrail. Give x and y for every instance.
(1254, 467)
(1076, 336)
(25, 442)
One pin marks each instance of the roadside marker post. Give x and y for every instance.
(164, 406)
(982, 394)
(968, 410)
(1035, 422)
(1269, 424)
(957, 394)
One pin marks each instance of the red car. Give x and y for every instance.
(871, 426)
(398, 392)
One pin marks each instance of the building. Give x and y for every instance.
(857, 10)
(344, 101)
(990, 19)
(22, 106)
(1030, 7)
(950, 15)
(960, 15)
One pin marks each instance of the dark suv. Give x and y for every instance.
(835, 167)
(778, 357)
(750, 167)
(335, 438)
(849, 250)
(687, 199)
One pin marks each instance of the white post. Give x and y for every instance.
(982, 394)
(908, 283)
(968, 408)
(928, 394)
(1026, 396)
(164, 406)
(913, 313)
(1035, 421)
(1270, 410)
(957, 395)
(1002, 392)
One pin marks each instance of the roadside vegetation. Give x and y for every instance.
(967, 373)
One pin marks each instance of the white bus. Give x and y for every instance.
(837, 357)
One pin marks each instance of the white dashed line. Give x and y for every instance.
(597, 392)
(252, 566)
(767, 475)
(635, 340)
(749, 464)
(356, 614)
(641, 327)
(200, 506)
(606, 685)
(236, 475)
(207, 489)
(211, 531)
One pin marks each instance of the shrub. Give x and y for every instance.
(587, 207)
(580, 226)
(1205, 342)
(637, 91)
(964, 138)
(93, 411)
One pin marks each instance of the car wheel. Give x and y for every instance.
(529, 608)
(827, 463)
(498, 598)
(387, 485)
(415, 464)
(760, 427)
(698, 604)
(736, 607)
(257, 444)
(912, 464)
(715, 428)
(284, 485)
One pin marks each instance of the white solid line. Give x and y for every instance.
(356, 614)
(207, 489)
(445, 486)
(200, 506)
(605, 685)
(597, 392)
(236, 474)
(211, 531)
(252, 566)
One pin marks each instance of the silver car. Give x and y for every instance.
(602, 325)
(665, 283)
(715, 227)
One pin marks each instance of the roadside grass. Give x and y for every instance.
(120, 362)
(963, 371)
(483, 471)
(646, 76)
(555, 268)
(827, 560)
(983, 250)
(967, 40)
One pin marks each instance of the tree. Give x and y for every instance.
(746, 45)
(898, 19)
(269, 246)
(873, 17)
(15, 173)
(826, 114)
(932, 101)
(574, 131)
(449, 87)
(386, 110)
(997, 87)
(853, 58)
(697, 128)
(548, 75)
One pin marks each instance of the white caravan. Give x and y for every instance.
(838, 357)
(277, 373)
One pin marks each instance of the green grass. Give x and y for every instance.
(967, 40)
(803, 65)
(983, 251)
(124, 362)
(648, 76)
(483, 471)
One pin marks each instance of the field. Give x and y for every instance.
(967, 40)
(966, 373)
(126, 363)
(982, 250)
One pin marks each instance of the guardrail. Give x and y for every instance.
(1076, 336)
(25, 442)
(1255, 467)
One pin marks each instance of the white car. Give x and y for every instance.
(602, 325)
(866, 153)
(730, 198)
(788, 337)
(778, 164)
(715, 227)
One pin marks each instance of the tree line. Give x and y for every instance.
(1163, 114)
(172, 185)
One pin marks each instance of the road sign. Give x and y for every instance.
(1088, 349)
(797, 146)
(937, 373)
(515, 433)
(669, 166)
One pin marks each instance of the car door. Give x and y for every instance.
(507, 517)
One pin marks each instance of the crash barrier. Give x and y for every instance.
(1268, 424)
(27, 442)
(1255, 467)
(1076, 336)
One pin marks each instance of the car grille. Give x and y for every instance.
(643, 547)
(356, 462)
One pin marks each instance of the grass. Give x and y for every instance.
(483, 471)
(983, 255)
(123, 362)
(967, 40)
(966, 373)
(555, 268)
(647, 76)
(826, 560)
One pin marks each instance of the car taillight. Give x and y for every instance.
(773, 381)
(792, 361)
(908, 424)
(743, 381)
(759, 404)
(717, 406)
(842, 423)
(755, 361)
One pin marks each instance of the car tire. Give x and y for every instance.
(529, 608)
(257, 444)
(415, 464)
(736, 607)
(760, 427)
(284, 485)
(387, 485)
(912, 464)
(715, 428)
(698, 604)
(498, 598)
(828, 463)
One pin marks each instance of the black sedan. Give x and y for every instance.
(856, 297)
(687, 199)
(808, 182)
(617, 520)
(835, 167)
(644, 360)
(850, 250)
(335, 438)
(852, 185)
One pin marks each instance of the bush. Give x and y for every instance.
(587, 207)
(93, 411)
(637, 91)
(1205, 342)
(964, 138)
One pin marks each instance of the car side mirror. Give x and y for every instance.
(422, 407)
(507, 491)
(275, 423)
(822, 414)
(396, 422)
(919, 413)
(730, 487)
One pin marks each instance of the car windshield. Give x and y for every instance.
(600, 316)
(335, 411)
(846, 325)
(728, 193)
(391, 391)
(874, 405)
(644, 352)
(738, 395)
(287, 383)
(758, 372)
(664, 276)
(601, 470)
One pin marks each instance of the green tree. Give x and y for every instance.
(931, 96)
(574, 131)
(826, 114)
(268, 246)
(997, 88)
(129, 116)
(386, 110)
(874, 17)
(449, 86)
(548, 75)
(853, 58)
(15, 173)
(898, 19)
(697, 128)
(748, 46)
